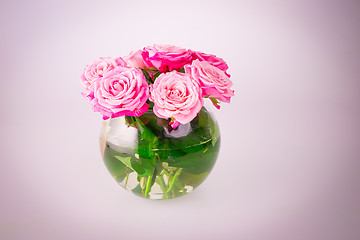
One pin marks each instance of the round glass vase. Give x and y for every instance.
(148, 157)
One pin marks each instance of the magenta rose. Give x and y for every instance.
(166, 57)
(134, 59)
(177, 96)
(212, 59)
(213, 81)
(96, 70)
(122, 91)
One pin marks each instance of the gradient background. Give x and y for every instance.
(289, 162)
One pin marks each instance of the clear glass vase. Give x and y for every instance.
(148, 157)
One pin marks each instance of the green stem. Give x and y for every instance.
(160, 180)
(148, 186)
(126, 179)
(167, 173)
(169, 181)
(173, 180)
(142, 185)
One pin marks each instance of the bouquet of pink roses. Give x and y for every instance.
(170, 83)
(174, 79)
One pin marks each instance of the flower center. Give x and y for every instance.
(174, 94)
(101, 68)
(116, 88)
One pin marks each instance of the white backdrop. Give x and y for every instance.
(289, 161)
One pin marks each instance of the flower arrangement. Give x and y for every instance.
(172, 79)
(168, 84)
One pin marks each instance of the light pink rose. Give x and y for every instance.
(96, 70)
(166, 57)
(176, 95)
(122, 91)
(212, 59)
(213, 81)
(134, 59)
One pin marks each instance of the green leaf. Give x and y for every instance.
(143, 167)
(145, 133)
(116, 168)
(195, 141)
(137, 190)
(151, 104)
(147, 76)
(126, 161)
(193, 180)
(214, 131)
(197, 162)
(156, 75)
(148, 141)
(129, 121)
(215, 102)
(206, 121)
(203, 118)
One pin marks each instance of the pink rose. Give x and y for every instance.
(123, 91)
(134, 59)
(97, 69)
(177, 96)
(166, 57)
(212, 59)
(213, 81)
